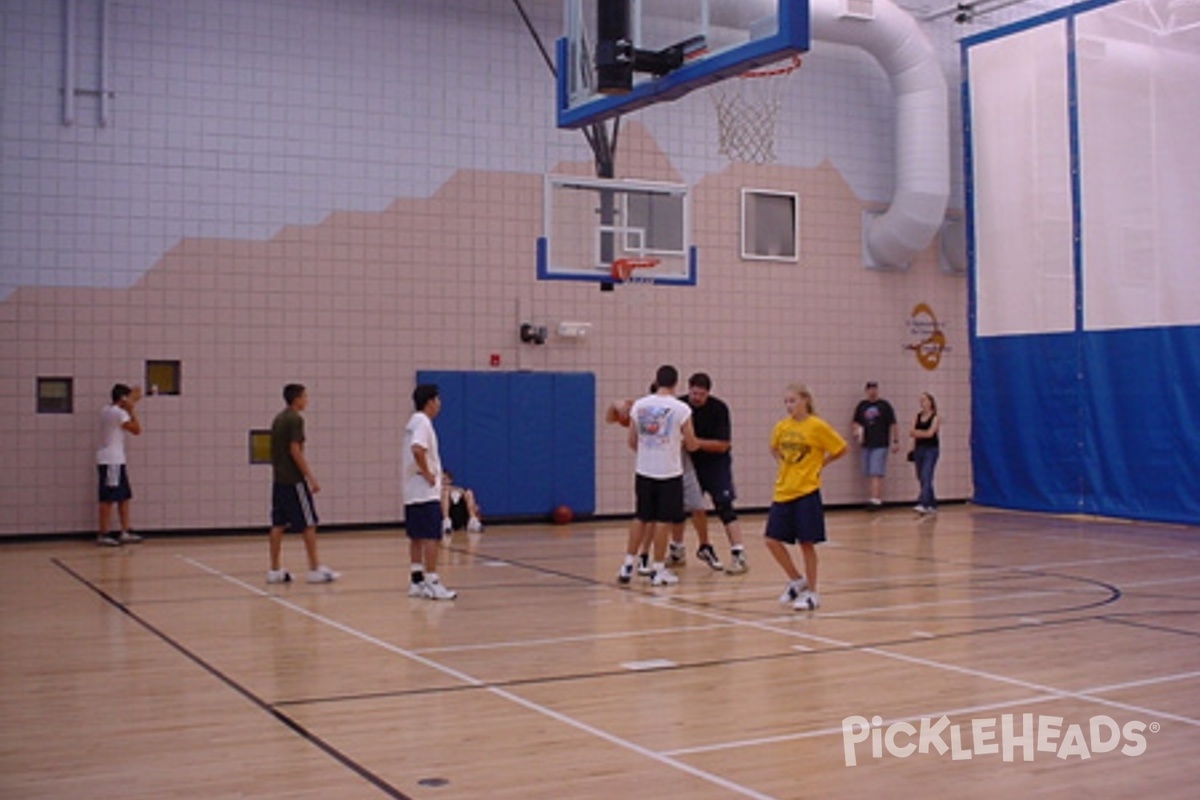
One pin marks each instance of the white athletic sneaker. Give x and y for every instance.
(474, 526)
(447, 527)
(676, 555)
(108, 540)
(663, 577)
(792, 591)
(279, 576)
(417, 589)
(436, 591)
(129, 537)
(920, 509)
(323, 575)
(737, 564)
(807, 601)
(643, 568)
(625, 573)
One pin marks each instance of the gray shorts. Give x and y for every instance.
(874, 462)
(693, 498)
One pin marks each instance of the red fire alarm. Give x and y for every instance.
(495, 359)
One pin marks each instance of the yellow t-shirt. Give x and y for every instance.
(801, 446)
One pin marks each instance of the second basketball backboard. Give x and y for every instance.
(594, 226)
(677, 46)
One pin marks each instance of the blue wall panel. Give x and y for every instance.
(523, 441)
(1098, 423)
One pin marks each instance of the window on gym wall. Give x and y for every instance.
(55, 395)
(770, 225)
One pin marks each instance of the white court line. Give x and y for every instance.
(1159, 582)
(595, 637)
(974, 673)
(791, 737)
(470, 680)
(937, 603)
(1034, 568)
(953, 712)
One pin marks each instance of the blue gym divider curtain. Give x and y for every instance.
(1084, 244)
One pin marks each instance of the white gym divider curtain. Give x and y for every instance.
(1083, 181)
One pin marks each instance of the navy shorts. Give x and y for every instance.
(423, 520)
(659, 499)
(292, 507)
(797, 521)
(114, 483)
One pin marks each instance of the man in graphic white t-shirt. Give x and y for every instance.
(660, 427)
(116, 420)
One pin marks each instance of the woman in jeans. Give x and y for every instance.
(925, 451)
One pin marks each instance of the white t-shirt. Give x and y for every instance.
(112, 435)
(658, 420)
(419, 430)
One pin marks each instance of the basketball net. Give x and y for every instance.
(747, 108)
(628, 273)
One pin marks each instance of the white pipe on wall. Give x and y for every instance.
(894, 39)
(103, 63)
(68, 108)
(922, 189)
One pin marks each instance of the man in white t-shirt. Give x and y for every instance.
(421, 467)
(116, 420)
(660, 428)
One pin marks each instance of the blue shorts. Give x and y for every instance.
(797, 521)
(292, 507)
(659, 499)
(423, 520)
(114, 483)
(874, 462)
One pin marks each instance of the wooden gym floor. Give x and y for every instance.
(171, 669)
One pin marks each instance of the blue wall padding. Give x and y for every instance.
(1095, 423)
(523, 441)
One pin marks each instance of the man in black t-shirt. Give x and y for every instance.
(874, 426)
(714, 471)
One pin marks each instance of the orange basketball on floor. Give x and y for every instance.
(562, 515)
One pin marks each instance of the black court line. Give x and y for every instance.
(814, 651)
(1113, 592)
(1122, 619)
(288, 722)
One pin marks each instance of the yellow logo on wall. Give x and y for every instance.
(932, 342)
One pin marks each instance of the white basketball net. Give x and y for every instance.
(747, 108)
(635, 283)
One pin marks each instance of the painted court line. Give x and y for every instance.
(1030, 686)
(595, 637)
(470, 680)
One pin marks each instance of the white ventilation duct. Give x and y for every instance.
(894, 39)
(922, 189)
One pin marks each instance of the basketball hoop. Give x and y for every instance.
(623, 269)
(625, 272)
(747, 107)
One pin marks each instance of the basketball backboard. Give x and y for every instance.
(590, 223)
(673, 47)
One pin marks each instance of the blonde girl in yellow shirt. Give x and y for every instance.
(802, 444)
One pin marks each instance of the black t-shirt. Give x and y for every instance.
(876, 418)
(710, 421)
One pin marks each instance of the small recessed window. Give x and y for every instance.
(162, 377)
(55, 395)
(260, 447)
(770, 225)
